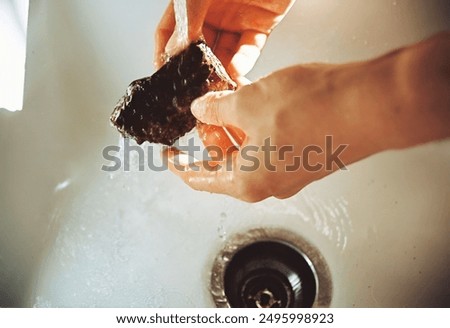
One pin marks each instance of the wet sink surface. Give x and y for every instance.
(74, 235)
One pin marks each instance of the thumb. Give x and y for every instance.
(217, 108)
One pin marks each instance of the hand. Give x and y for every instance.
(282, 115)
(291, 114)
(236, 30)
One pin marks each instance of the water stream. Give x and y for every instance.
(181, 19)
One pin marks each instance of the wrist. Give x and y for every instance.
(398, 100)
(353, 109)
(375, 99)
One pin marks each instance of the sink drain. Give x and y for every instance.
(269, 274)
(270, 268)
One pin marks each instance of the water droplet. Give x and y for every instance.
(221, 231)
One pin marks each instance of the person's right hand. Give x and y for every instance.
(236, 30)
(306, 121)
(286, 117)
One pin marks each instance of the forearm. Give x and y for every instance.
(396, 101)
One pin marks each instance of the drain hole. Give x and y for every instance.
(269, 274)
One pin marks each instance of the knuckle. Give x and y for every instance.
(253, 198)
(250, 192)
(284, 196)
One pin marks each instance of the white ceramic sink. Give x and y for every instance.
(72, 235)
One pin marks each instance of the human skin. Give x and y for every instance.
(392, 102)
(236, 30)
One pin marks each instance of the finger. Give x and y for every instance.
(286, 195)
(202, 175)
(247, 52)
(218, 178)
(236, 135)
(238, 18)
(163, 33)
(210, 34)
(217, 108)
(225, 46)
(279, 7)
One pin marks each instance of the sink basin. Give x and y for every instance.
(73, 235)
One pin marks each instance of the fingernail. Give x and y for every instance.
(197, 106)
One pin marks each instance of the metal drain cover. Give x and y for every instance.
(270, 268)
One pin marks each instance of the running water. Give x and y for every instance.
(182, 28)
(181, 20)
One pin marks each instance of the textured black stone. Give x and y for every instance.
(157, 108)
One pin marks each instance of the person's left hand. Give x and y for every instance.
(236, 30)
